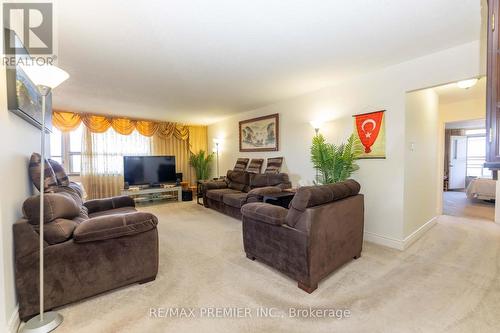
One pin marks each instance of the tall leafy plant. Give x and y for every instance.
(335, 163)
(201, 163)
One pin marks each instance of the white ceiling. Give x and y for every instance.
(198, 61)
(451, 93)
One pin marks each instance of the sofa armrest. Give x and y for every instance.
(256, 194)
(214, 184)
(265, 213)
(99, 205)
(26, 239)
(114, 226)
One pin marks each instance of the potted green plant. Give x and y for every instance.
(201, 163)
(335, 163)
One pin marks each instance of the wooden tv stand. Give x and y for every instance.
(154, 193)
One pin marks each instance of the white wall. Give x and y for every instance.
(18, 140)
(421, 159)
(382, 180)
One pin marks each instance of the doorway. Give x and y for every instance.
(468, 187)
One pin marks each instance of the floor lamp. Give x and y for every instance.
(45, 78)
(217, 143)
(316, 124)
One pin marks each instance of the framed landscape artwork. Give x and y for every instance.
(260, 134)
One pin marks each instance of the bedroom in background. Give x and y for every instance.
(468, 187)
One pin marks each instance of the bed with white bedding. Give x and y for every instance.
(482, 189)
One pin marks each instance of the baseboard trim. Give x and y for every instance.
(383, 240)
(400, 244)
(14, 321)
(414, 236)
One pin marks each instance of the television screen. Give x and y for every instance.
(142, 170)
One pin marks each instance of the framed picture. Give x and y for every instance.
(23, 97)
(370, 129)
(260, 134)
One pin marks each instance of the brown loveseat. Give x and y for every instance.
(322, 230)
(240, 188)
(90, 248)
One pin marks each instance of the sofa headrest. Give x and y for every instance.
(56, 205)
(310, 196)
(35, 169)
(268, 179)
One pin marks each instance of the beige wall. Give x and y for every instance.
(382, 180)
(18, 140)
(421, 159)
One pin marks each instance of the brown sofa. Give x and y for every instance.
(239, 188)
(322, 230)
(90, 248)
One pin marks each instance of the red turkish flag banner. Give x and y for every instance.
(368, 126)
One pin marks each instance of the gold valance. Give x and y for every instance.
(68, 121)
(196, 135)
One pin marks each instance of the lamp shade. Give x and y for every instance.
(45, 75)
(217, 140)
(466, 84)
(316, 124)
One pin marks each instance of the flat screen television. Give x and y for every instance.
(149, 170)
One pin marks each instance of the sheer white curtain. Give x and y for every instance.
(102, 160)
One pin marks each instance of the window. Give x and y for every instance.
(108, 149)
(476, 154)
(477, 131)
(66, 148)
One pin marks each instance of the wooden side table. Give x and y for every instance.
(199, 191)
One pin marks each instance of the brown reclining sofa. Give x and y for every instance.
(241, 187)
(321, 231)
(90, 248)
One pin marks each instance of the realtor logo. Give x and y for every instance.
(33, 25)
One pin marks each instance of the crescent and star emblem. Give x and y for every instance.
(368, 121)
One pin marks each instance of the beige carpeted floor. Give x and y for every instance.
(446, 282)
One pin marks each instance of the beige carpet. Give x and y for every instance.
(446, 282)
(456, 203)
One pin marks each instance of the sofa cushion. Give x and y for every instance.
(115, 211)
(35, 172)
(218, 194)
(266, 213)
(73, 192)
(58, 231)
(61, 176)
(83, 216)
(214, 184)
(235, 200)
(269, 179)
(56, 205)
(99, 205)
(114, 226)
(238, 180)
(78, 189)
